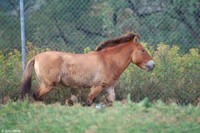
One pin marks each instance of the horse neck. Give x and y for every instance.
(119, 57)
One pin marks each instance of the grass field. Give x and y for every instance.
(129, 118)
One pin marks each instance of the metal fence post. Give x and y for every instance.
(23, 42)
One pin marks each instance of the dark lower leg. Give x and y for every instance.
(41, 93)
(94, 92)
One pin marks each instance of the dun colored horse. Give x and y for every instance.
(98, 70)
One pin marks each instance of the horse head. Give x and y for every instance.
(141, 57)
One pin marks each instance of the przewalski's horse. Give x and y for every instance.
(98, 70)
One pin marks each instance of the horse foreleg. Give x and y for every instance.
(94, 92)
(41, 93)
(111, 95)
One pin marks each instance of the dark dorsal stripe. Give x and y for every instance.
(116, 41)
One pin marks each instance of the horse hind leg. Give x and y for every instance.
(42, 92)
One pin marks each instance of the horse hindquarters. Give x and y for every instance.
(48, 72)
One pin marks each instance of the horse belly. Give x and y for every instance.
(81, 79)
(78, 81)
(81, 71)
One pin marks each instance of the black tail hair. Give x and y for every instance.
(26, 83)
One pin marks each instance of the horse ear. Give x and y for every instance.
(136, 39)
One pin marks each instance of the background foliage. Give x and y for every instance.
(169, 29)
(175, 79)
(74, 25)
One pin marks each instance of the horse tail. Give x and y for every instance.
(26, 83)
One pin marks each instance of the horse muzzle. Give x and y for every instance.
(150, 65)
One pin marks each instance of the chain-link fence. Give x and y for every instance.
(75, 25)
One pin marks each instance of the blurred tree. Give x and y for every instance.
(71, 28)
(188, 14)
(10, 22)
(74, 25)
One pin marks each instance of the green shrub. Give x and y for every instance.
(174, 79)
(10, 74)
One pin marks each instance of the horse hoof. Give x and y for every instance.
(69, 102)
(88, 102)
(36, 97)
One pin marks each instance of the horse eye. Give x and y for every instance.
(143, 50)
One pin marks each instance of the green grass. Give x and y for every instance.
(132, 117)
